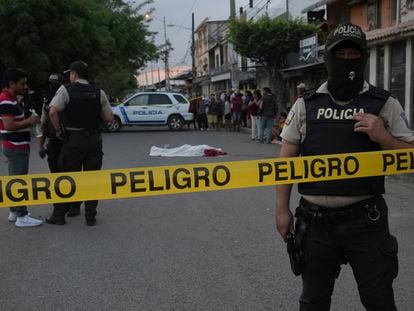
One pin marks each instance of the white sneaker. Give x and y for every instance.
(27, 221)
(13, 216)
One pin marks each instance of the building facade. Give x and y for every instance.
(205, 45)
(221, 62)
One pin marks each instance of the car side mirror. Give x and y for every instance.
(126, 104)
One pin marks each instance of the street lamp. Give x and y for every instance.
(193, 67)
(148, 17)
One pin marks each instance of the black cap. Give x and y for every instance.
(80, 67)
(346, 32)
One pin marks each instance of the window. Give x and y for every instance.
(181, 99)
(140, 100)
(367, 67)
(398, 71)
(393, 11)
(159, 99)
(380, 67)
(373, 14)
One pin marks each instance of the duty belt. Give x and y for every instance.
(335, 215)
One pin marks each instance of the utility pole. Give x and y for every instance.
(152, 75)
(287, 9)
(146, 78)
(167, 51)
(234, 56)
(232, 9)
(159, 77)
(193, 65)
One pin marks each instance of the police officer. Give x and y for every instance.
(343, 221)
(54, 144)
(82, 108)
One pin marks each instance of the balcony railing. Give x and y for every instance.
(219, 70)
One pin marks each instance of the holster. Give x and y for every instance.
(296, 246)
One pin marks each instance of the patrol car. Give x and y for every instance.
(152, 108)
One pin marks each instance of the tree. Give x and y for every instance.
(267, 41)
(46, 36)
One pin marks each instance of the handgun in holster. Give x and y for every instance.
(295, 247)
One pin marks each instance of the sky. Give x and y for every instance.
(178, 12)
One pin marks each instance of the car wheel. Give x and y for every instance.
(115, 125)
(175, 123)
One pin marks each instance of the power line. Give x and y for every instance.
(185, 19)
(266, 5)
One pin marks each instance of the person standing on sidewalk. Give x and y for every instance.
(83, 107)
(212, 115)
(245, 105)
(202, 114)
(268, 112)
(237, 103)
(254, 105)
(220, 110)
(16, 136)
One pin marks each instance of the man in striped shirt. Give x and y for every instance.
(16, 136)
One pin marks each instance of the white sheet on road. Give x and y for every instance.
(182, 151)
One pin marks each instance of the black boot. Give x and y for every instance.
(90, 214)
(91, 222)
(58, 215)
(56, 220)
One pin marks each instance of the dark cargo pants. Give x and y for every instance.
(80, 150)
(54, 148)
(369, 248)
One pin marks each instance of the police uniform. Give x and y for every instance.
(82, 106)
(346, 220)
(54, 145)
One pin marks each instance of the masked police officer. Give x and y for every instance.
(82, 108)
(54, 144)
(347, 220)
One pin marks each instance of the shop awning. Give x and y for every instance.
(298, 70)
(402, 29)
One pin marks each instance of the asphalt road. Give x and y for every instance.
(206, 251)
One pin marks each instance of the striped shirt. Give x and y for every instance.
(9, 107)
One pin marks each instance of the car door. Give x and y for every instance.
(160, 107)
(134, 111)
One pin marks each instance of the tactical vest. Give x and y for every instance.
(330, 130)
(84, 108)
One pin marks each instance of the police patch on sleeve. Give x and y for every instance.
(289, 118)
(404, 118)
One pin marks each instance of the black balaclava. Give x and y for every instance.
(345, 76)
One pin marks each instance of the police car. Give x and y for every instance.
(152, 108)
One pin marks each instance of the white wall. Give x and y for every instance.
(407, 10)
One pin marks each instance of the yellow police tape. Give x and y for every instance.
(149, 181)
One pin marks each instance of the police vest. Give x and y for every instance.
(330, 130)
(84, 108)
